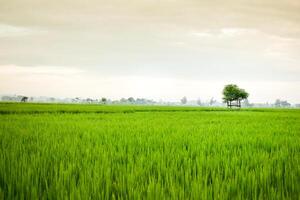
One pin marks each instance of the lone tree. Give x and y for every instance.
(233, 95)
(24, 99)
(103, 100)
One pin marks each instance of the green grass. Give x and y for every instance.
(54, 151)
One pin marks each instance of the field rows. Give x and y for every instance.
(148, 153)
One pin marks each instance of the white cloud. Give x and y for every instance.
(201, 34)
(12, 31)
(38, 70)
(148, 38)
(223, 33)
(231, 32)
(285, 49)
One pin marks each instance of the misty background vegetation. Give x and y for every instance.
(184, 101)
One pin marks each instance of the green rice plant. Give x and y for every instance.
(55, 151)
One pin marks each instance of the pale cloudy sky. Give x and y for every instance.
(149, 48)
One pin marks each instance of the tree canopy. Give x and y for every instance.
(232, 93)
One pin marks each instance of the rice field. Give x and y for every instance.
(59, 151)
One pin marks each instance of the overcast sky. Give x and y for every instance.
(149, 48)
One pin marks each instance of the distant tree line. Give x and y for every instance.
(232, 96)
(282, 103)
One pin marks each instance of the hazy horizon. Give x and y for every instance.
(149, 48)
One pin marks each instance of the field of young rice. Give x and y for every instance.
(50, 151)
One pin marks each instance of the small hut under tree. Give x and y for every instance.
(24, 99)
(233, 95)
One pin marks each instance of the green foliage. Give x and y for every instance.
(232, 92)
(183, 100)
(50, 151)
(103, 100)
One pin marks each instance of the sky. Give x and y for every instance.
(161, 50)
